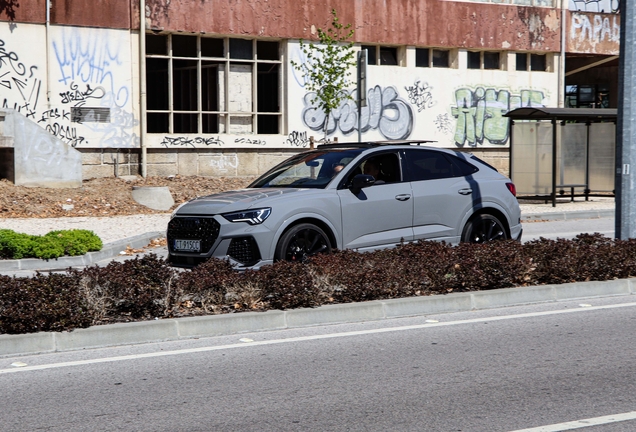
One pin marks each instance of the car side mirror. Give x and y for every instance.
(361, 181)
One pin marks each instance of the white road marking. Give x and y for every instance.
(307, 338)
(578, 424)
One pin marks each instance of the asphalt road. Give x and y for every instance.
(567, 228)
(496, 370)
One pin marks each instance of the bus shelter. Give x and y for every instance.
(554, 151)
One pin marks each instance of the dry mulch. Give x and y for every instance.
(105, 196)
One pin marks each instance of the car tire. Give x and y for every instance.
(483, 228)
(302, 241)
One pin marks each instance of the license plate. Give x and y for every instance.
(187, 245)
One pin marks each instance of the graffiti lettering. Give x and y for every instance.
(391, 115)
(603, 6)
(601, 31)
(66, 133)
(10, 58)
(80, 97)
(13, 77)
(223, 162)
(420, 95)
(193, 142)
(297, 139)
(54, 114)
(443, 123)
(250, 141)
(480, 112)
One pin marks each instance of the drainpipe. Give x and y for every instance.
(48, 41)
(142, 86)
(561, 102)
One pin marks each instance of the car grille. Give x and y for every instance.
(244, 250)
(205, 229)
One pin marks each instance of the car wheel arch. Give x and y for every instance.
(323, 225)
(492, 211)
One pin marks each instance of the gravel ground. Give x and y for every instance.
(109, 229)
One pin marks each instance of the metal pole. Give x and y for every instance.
(554, 161)
(625, 220)
(142, 88)
(362, 87)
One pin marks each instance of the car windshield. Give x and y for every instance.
(312, 169)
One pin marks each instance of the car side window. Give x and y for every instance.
(385, 168)
(432, 165)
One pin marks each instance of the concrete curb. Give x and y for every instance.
(218, 325)
(567, 215)
(110, 250)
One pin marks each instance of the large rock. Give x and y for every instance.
(154, 197)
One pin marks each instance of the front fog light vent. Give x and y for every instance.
(244, 250)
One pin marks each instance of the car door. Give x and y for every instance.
(442, 193)
(380, 215)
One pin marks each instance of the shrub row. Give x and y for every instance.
(147, 288)
(55, 244)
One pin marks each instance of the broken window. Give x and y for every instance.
(199, 84)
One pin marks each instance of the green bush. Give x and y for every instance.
(55, 244)
(15, 245)
(76, 242)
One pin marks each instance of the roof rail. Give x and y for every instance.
(369, 144)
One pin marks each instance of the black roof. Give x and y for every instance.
(581, 114)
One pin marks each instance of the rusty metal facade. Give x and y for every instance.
(398, 22)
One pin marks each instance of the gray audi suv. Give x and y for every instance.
(360, 196)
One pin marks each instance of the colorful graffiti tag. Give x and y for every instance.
(479, 113)
(386, 112)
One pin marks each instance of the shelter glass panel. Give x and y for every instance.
(602, 156)
(531, 163)
(571, 154)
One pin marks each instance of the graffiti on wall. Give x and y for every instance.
(223, 163)
(479, 113)
(20, 80)
(599, 29)
(191, 142)
(602, 6)
(89, 65)
(420, 95)
(385, 112)
(297, 139)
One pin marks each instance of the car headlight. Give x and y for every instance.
(252, 217)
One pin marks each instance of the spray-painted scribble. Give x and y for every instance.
(223, 162)
(20, 80)
(602, 6)
(67, 134)
(420, 95)
(443, 123)
(252, 141)
(79, 97)
(192, 142)
(386, 111)
(479, 113)
(297, 139)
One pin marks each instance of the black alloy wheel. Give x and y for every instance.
(302, 241)
(484, 228)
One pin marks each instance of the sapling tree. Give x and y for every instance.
(327, 66)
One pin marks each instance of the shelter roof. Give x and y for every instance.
(580, 114)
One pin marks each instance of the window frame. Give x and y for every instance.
(430, 63)
(482, 60)
(529, 64)
(223, 111)
(375, 53)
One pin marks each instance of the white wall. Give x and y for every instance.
(87, 69)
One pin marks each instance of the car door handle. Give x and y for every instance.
(466, 191)
(403, 197)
